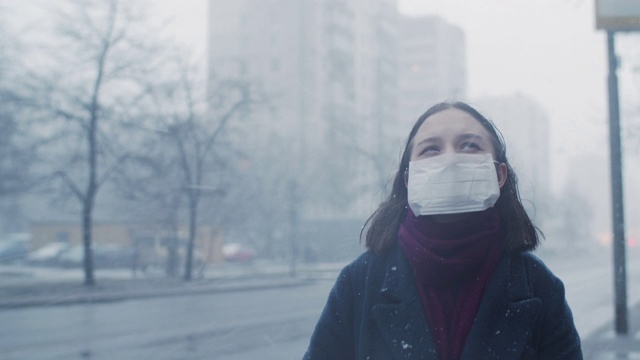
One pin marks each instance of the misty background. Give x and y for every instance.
(206, 166)
(278, 124)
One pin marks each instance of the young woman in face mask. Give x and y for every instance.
(448, 273)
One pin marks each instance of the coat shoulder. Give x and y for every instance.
(536, 268)
(556, 336)
(366, 262)
(542, 282)
(363, 260)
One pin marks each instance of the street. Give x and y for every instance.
(257, 324)
(274, 323)
(588, 280)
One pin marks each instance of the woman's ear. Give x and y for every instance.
(502, 174)
(406, 178)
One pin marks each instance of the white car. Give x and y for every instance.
(48, 254)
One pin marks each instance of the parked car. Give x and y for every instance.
(13, 250)
(113, 256)
(104, 256)
(237, 252)
(47, 255)
(71, 257)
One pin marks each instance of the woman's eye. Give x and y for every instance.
(470, 146)
(430, 150)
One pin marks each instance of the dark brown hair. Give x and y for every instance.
(382, 226)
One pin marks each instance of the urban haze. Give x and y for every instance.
(186, 181)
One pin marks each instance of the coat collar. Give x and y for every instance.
(504, 324)
(401, 318)
(400, 315)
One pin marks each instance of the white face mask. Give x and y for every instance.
(452, 183)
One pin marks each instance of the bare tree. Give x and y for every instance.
(262, 194)
(149, 189)
(88, 82)
(192, 123)
(18, 143)
(17, 156)
(14, 155)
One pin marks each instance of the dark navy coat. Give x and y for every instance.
(374, 311)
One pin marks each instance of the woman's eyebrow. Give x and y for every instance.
(470, 136)
(429, 140)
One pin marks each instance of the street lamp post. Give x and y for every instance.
(616, 16)
(619, 259)
(293, 216)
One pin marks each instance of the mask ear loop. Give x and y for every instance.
(406, 177)
(497, 163)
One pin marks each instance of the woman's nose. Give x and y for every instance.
(448, 149)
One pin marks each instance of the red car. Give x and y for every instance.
(238, 252)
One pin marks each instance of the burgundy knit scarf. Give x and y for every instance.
(452, 263)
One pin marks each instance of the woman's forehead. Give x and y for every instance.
(451, 122)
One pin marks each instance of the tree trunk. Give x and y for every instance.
(92, 185)
(89, 279)
(90, 195)
(172, 253)
(193, 214)
(173, 242)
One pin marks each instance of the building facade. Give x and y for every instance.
(524, 124)
(432, 65)
(327, 70)
(343, 80)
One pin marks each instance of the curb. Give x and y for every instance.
(604, 342)
(78, 294)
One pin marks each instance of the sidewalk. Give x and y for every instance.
(22, 286)
(603, 344)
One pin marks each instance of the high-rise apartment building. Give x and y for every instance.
(432, 65)
(327, 69)
(525, 126)
(344, 81)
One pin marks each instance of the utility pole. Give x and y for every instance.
(617, 16)
(293, 216)
(619, 251)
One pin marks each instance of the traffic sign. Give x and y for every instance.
(618, 15)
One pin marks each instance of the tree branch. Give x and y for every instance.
(74, 188)
(224, 120)
(110, 170)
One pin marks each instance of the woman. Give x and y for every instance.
(448, 273)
